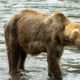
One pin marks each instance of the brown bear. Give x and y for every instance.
(72, 30)
(33, 32)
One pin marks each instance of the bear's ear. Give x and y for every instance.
(75, 34)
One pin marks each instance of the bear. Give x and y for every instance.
(72, 31)
(33, 32)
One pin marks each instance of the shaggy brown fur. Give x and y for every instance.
(32, 32)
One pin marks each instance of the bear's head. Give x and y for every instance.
(72, 30)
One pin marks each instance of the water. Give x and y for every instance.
(37, 66)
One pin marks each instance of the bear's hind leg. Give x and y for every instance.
(14, 59)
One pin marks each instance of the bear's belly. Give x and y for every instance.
(35, 48)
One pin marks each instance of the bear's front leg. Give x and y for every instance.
(53, 58)
(22, 59)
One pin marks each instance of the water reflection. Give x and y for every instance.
(20, 77)
(70, 62)
(27, 77)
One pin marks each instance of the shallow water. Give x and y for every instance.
(37, 66)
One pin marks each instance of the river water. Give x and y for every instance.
(37, 66)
